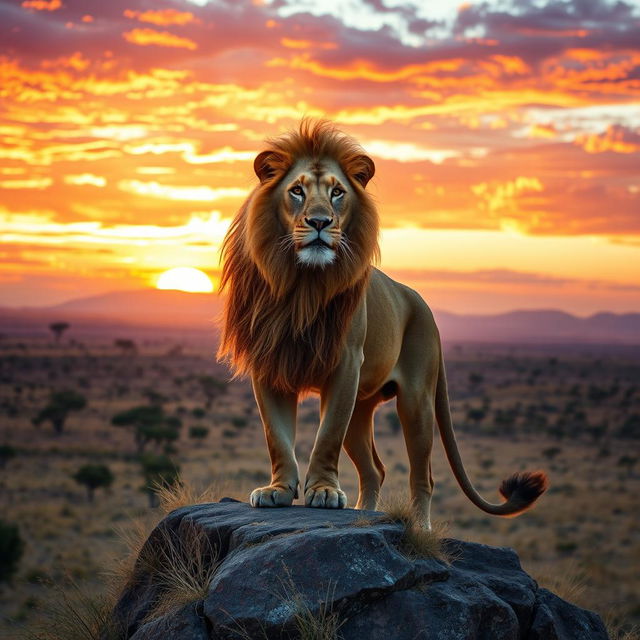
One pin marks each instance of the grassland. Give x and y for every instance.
(573, 411)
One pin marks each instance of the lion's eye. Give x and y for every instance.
(336, 192)
(297, 190)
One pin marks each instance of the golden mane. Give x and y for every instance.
(284, 323)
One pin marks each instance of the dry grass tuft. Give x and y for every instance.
(321, 625)
(568, 584)
(122, 567)
(183, 564)
(183, 494)
(74, 615)
(620, 631)
(418, 541)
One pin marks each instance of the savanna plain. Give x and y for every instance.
(153, 408)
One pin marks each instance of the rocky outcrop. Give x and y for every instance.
(272, 573)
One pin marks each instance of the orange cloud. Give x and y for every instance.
(553, 33)
(42, 5)
(501, 199)
(75, 61)
(613, 139)
(499, 65)
(146, 37)
(365, 69)
(162, 17)
(542, 131)
(306, 44)
(585, 70)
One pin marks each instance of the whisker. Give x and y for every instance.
(347, 251)
(286, 242)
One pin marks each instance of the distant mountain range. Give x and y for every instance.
(199, 311)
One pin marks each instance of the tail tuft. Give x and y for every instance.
(524, 488)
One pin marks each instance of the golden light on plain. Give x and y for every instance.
(185, 279)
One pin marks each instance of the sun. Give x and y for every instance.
(185, 279)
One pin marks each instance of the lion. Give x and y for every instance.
(307, 311)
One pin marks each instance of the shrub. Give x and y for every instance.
(630, 427)
(551, 452)
(211, 388)
(198, 433)
(566, 546)
(11, 550)
(6, 453)
(476, 415)
(93, 476)
(159, 471)
(476, 379)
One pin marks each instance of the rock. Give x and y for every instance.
(265, 573)
(556, 619)
(186, 623)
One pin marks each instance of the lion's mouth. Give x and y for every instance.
(318, 242)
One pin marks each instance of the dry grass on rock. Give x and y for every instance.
(417, 541)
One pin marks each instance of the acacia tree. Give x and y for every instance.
(93, 476)
(158, 471)
(126, 345)
(149, 424)
(61, 403)
(58, 328)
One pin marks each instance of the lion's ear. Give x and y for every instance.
(264, 165)
(362, 169)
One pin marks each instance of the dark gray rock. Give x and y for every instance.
(188, 623)
(351, 567)
(556, 619)
(273, 566)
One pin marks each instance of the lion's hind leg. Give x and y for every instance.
(416, 412)
(361, 448)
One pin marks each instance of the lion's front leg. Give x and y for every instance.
(321, 488)
(278, 413)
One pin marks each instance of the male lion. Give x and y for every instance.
(306, 311)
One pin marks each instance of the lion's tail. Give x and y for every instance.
(520, 490)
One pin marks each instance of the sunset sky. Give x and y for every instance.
(506, 136)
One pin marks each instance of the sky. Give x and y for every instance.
(505, 133)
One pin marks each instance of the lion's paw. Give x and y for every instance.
(272, 496)
(325, 497)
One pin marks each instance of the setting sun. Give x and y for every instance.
(185, 279)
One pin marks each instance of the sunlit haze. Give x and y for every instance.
(506, 137)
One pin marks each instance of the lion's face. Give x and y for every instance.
(309, 228)
(316, 201)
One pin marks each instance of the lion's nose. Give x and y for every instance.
(318, 222)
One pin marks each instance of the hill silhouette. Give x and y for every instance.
(200, 311)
